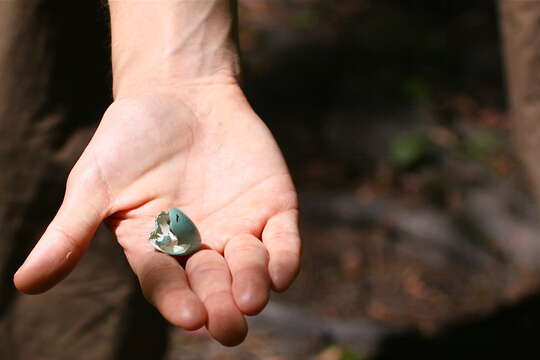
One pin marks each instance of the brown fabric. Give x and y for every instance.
(520, 25)
(54, 86)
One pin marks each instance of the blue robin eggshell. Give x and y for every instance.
(185, 230)
(175, 233)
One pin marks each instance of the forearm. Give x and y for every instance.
(162, 43)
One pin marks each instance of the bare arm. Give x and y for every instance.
(171, 42)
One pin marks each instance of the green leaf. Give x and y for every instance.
(409, 148)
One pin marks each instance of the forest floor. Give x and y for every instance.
(417, 222)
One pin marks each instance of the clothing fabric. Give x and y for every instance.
(54, 87)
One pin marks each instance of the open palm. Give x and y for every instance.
(216, 161)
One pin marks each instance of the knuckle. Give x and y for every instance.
(68, 239)
(242, 245)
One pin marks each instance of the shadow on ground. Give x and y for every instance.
(513, 331)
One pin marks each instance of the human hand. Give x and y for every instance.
(205, 151)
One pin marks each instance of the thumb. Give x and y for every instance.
(67, 236)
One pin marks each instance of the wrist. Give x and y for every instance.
(171, 43)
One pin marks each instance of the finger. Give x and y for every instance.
(209, 277)
(66, 238)
(282, 240)
(248, 262)
(164, 284)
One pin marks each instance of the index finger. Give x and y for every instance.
(164, 284)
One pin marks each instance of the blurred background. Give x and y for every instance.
(420, 233)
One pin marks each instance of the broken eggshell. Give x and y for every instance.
(175, 233)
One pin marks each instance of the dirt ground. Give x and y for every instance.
(417, 223)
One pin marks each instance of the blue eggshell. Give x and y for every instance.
(184, 229)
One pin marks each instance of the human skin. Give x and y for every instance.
(180, 133)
